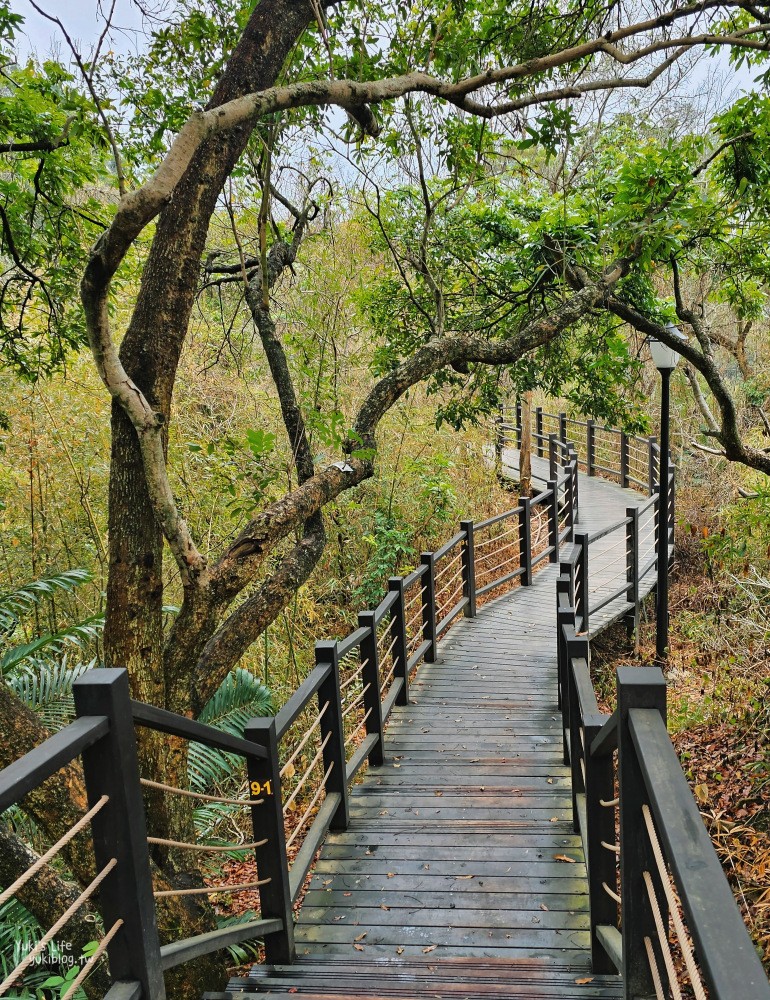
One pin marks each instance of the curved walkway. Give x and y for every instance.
(460, 869)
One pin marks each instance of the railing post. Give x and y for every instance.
(401, 647)
(553, 520)
(576, 649)
(590, 447)
(539, 430)
(267, 822)
(652, 465)
(671, 510)
(632, 567)
(552, 453)
(600, 819)
(575, 488)
(119, 831)
(569, 500)
(565, 618)
(332, 725)
(499, 442)
(581, 580)
(624, 458)
(370, 679)
(563, 427)
(468, 563)
(518, 424)
(638, 687)
(525, 541)
(429, 605)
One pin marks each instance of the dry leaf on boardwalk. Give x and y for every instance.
(565, 857)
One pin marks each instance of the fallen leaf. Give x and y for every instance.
(384, 907)
(584, 979)
(360, 936)
(391, 874)
(400, 950)
(554, 819)
(565, 857)
(347, 894)
(293, 989)
(431, 947)
(543, 907)
(359, 947)
(461, 878)
(439, 793)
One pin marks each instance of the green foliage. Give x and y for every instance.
(391, 549)
(17, 604)
(244, 469)
(51, 208)
(19, 934)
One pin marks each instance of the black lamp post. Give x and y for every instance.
(665, 359)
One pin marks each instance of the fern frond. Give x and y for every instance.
(45, 686)
(240, 697)
(18, 602)
(78, 634)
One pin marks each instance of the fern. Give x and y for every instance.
(239, 698)
(78, 634)
(45, 686)
(19, 602)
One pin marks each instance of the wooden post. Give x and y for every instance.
(553, 520)
(563, 427)
(624, 458)
(569, 499)
(468, 563)
(370, 679)
(267, 822)
(672, 511)
(638, 687)
(525, 541)
(552, 456)
(600, 788)
(539, 430)
(577, 649)
(632, 567)
(401, 647)
(518, 424)
(119, 831)
(581, 580)
(499, 441)
(429, 606)
(332, 726)
(590, 447)
(575, 489)
(652, 465)
(565, 618)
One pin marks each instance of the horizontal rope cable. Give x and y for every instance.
(356, 673)
(388, 627)
(610, 892)
(449, 584)
(209, 890)
(305, 738)
(199, 795)
(448, 588)
(357, 702)
(416, 597)
(681, 933)
(390, 673)
(656, 980)
(665, 947)
(388, 651)
(305, 776)
(53, 851)
(355, 732)
(611, 803)
(306, 813)
(447, 566)
(610, 847)
(92, 960)
(183, 845)
(44, 941)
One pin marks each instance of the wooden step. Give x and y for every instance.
(322, 978)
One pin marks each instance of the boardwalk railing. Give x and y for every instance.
(300, 763)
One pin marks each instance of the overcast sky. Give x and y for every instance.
(81, 20)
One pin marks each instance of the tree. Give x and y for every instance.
(480, 60)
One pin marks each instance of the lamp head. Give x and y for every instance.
(663, 356)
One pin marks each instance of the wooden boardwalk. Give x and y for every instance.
(460, 857)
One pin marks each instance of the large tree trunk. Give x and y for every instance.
(150, 353)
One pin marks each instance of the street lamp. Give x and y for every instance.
(665, 359)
